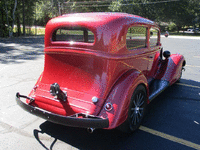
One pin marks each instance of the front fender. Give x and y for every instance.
(120, 96)
(171, 68)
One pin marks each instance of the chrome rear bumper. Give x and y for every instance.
(76, 120)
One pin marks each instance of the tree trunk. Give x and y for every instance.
(18, 25)
(178, 28)
(1, 23)
(6, 8)
(24, 33)
(18, 18)
(3, 27)
(13, 17)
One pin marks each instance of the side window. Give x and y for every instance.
(73, 34)
(136, 37)
(153, 41)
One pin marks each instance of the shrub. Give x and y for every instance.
(172, 27)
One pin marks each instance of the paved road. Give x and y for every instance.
(172, 122)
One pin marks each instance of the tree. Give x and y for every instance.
(195, 10)
(5, 17)
(3, 22)
(13, 19)
(177, 12)
(181, 12)
(12, 12)
(87, 6)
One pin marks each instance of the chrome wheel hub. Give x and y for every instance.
(137, 109)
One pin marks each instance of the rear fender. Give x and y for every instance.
(32, 93)
(170, 69)
(120, 96)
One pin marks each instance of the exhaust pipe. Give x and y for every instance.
(90, 130)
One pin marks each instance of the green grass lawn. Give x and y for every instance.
(41, 31)
(32, 30)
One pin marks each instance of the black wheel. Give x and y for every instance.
(136, 111)
(180, 76)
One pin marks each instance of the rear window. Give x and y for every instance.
(73, 34)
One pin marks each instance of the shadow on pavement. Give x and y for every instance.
(80, 138)
(12, 50)
(173, 112)
(176, 111)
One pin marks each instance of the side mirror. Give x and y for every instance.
(166, 54)
(151, 33)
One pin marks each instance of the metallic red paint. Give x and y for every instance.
(120, 97)
(105, 69)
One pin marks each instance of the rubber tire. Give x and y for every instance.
(180, 75)
(128, 126)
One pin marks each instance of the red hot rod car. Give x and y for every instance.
(101, 70)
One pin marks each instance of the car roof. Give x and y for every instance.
(105, 25)
(99, 18)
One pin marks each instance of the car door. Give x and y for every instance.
(136, 42)
(153, 54)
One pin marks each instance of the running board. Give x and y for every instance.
(156, 87)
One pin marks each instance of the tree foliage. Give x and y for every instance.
(12, 14)
(37, 12)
